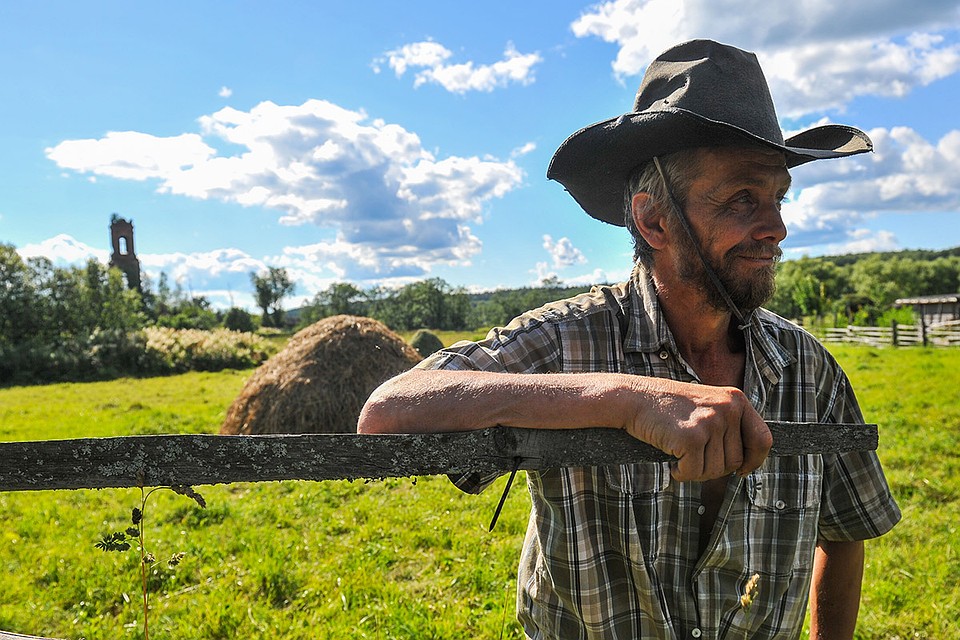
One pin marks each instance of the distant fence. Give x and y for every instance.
(944, 334)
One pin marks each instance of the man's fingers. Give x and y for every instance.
(757, 441)
(688, 467)
(733, 450)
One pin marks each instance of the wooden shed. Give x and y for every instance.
(934, 310)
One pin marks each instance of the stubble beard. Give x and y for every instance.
(747, 293)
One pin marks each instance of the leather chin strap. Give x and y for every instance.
(714, 278)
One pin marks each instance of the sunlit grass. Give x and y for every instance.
(398, 559)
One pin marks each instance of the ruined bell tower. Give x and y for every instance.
(123, 256)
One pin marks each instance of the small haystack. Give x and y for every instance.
(320, 380)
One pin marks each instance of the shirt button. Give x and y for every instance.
(701, 509)
(780, 504)
(696, 633)
(664, 355)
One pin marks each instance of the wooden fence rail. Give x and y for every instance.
(945, 334)
(149, 461)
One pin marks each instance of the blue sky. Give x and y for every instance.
(385, 142)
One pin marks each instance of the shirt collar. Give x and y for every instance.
(647, 330)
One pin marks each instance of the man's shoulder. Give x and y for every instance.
(551, 338)
(600, 300)
(789, 334)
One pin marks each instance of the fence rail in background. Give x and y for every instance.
(945, 334)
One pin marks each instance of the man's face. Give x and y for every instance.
(734, 209)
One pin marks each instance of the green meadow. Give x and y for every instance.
(400, 558)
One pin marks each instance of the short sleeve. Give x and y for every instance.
(856, 502)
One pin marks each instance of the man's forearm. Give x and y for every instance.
(712, 431)
(465, 400)
(835, 593)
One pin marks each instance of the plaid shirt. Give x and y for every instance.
(613, 551)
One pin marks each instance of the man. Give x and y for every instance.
(683, 358)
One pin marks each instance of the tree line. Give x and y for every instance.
(78, 317)
(862, 289)
(431, 304)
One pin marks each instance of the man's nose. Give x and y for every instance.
(770, 226)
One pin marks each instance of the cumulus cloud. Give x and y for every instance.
(906, 173)
(64, 250)
(817, 55)
(225, 92)
(387, 198)
(562, 252)
(130, 155)
(523, 150)
(433, 61)
(220, 275)
(562, 255)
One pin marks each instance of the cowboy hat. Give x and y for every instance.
(697, 94)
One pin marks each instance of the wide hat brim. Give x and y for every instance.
(594, 163)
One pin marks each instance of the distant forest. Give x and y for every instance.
(83, 319)
(824, 291)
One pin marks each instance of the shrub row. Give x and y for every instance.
(110, 354)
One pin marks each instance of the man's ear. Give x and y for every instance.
(649, 220)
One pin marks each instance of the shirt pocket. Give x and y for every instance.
(636, 498)
(784, 508)
(787, 483)
(635, 480)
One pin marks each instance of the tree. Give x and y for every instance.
(238, 320)
(270, 288)
(19, 299)
(427, 304)
(340, 298)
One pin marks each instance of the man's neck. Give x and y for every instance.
(707, 338)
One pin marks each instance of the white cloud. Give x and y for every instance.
(813, 78)
(64, 250)
(130, 155)
(905, 174)
(388, 199)
(597, 276)
(523, 150)
(432, 59)
(817, 54)
(562, 252)
(542, 269)
(852, 241)
(225, 92)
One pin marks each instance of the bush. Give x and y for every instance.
(239, 320)
(178, 350)
(107, 354)
(426, 342)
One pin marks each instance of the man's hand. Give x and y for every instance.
(713, 431)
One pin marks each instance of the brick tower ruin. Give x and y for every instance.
(123, 256)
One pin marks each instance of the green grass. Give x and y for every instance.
(397, 559)
(912, 582)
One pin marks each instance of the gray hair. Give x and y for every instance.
(680, 168)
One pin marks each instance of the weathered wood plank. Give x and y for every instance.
(97, 463)
(6, 635)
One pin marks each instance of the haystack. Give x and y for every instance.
(321, 379)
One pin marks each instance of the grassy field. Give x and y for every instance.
(397, 558)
